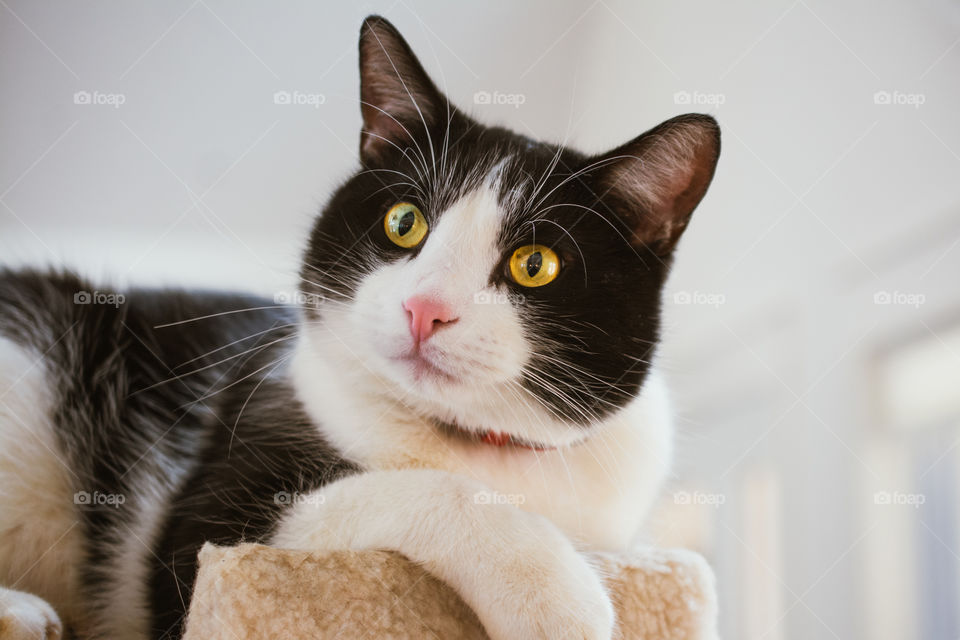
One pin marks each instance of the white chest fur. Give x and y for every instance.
(596, 491)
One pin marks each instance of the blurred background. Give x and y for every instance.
(813, 316)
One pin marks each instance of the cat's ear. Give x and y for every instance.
(657, 179)
(397, 98)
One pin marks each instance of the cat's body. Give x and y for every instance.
(418, 396)
(123, 424)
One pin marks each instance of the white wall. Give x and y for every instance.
(199, 163)
(822, 199)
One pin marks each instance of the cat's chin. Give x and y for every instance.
(426, 379)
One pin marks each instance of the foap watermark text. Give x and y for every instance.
(297, 298)
(699, 98)
(899, 298)
(291, 498)
(99, 297)
(899, 98)
(498, 297)
(99, 98)
(899, 498)
(299, 98)
(90, 499)
(714, 300)
(499, 98)
(495, 497)
(699, 498)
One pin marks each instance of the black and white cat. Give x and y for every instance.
(477, 320)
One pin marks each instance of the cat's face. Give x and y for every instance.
(490, 282)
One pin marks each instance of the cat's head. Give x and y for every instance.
(492, 283)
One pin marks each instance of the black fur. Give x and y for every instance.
(122, 412)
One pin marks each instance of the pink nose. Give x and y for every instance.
(426, 316)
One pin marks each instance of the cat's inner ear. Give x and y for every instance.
(655, 181)
(398, 99)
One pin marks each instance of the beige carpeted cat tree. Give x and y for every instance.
(251, 592)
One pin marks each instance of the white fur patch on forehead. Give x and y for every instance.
(495, 175)
(497, 180)
(462, 248)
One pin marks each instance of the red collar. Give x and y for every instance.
(499, 439)
(495, 438)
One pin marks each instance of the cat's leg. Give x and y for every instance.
(24, 616)
(518, 572)
(40, 533)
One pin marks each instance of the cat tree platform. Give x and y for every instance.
(252, 592)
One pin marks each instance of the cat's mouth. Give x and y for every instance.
(488, 436)
(424, 368)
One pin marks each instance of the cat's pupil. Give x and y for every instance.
(406, 223)
(534, 263)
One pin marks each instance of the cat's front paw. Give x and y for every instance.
(24, 616)
(552, 593)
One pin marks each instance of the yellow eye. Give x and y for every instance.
(405, 225)
(534, 265)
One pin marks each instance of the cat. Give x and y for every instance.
(465, 377)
